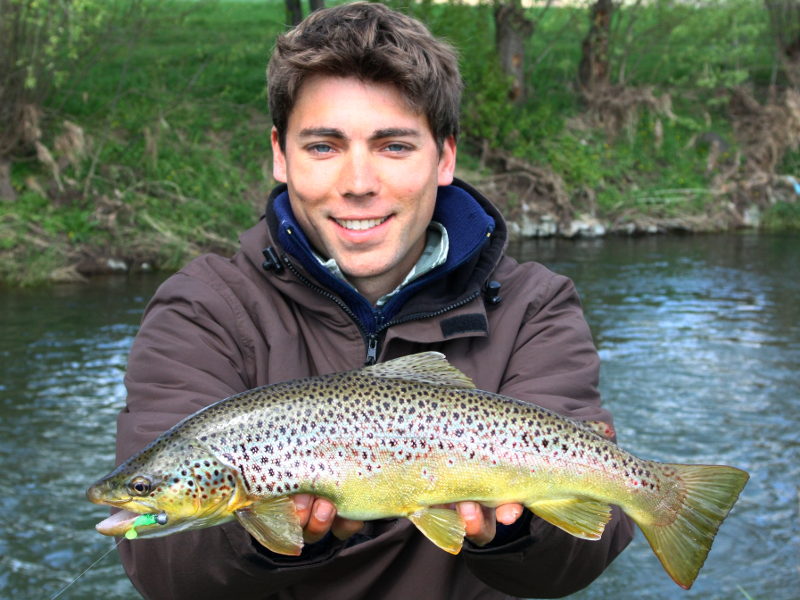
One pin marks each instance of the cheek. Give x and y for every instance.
(309, 186)
(309, 215)
(419, 202)
(304, 202)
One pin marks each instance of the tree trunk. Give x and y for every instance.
(294, 12)
(784, 17)
(7, 193)
(512, 30)
(594, 69)
(316, 4)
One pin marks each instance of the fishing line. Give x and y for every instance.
(148, 519)
(64, 589)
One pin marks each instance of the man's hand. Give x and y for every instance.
(318, 516)
(481, 521)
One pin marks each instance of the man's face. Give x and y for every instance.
(362, 171)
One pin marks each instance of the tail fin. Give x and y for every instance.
(709, 494)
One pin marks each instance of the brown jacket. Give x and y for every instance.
(221, 326)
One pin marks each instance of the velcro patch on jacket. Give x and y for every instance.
(464, 324)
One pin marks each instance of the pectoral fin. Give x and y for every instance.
(582, 518)
(443, 526)
(274, 523)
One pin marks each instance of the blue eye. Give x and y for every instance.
(321, 148)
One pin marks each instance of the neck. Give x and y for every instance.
(373, 287)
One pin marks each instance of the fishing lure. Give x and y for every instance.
(148, 519)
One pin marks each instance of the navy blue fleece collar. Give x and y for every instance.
(468, 227)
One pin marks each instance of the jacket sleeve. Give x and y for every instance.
(191, 351)
(554, 364)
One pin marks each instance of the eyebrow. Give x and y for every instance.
(395, 132)
(378, 134)
(322, 132)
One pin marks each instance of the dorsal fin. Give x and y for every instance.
(425, 367)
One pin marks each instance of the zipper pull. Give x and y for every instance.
(372, 349)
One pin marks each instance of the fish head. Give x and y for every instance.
(180, 480)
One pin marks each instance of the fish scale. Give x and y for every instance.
(399, 439)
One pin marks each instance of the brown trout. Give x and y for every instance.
(399, 439)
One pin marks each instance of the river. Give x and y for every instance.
(700, 342)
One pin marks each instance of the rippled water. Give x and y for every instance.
(62, 358)
(700, 341)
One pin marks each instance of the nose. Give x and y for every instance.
(359, 177)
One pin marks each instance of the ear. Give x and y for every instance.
(278, 158)
(447, 161)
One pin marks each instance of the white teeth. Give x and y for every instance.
(360, 224)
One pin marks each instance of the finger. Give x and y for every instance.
(479, 522)
(302, 506)
(319, 523)
(508, 513)
(343, 528)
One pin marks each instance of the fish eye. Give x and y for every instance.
(139, 486)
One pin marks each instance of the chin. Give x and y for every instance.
(362, 271)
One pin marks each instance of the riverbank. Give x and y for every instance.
(157, 149)
(79, 262)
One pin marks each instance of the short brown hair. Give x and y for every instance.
(374, 43)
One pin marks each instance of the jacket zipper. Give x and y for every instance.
(333, 298)
(435, 313)
(372, 349)
(371, 340)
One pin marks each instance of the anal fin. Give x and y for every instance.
(443, 526)
(274, 523)
(580, 517)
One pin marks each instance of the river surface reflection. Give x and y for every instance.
(700, 342)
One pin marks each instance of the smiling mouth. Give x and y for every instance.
(360, 224)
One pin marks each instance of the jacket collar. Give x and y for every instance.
(477, 237)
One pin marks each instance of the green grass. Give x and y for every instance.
(180, 133)
(173, 102)
(782, 216)
(687, 52)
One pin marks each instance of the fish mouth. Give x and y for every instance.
(115, 503)
(118, 523)
(121, 520)
(124, 521)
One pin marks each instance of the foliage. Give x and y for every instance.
(40, 42)
(736, 47)
(178, 139)
(691, 52)
(782, 216)
(176, 158)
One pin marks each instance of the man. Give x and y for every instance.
(369, 250)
